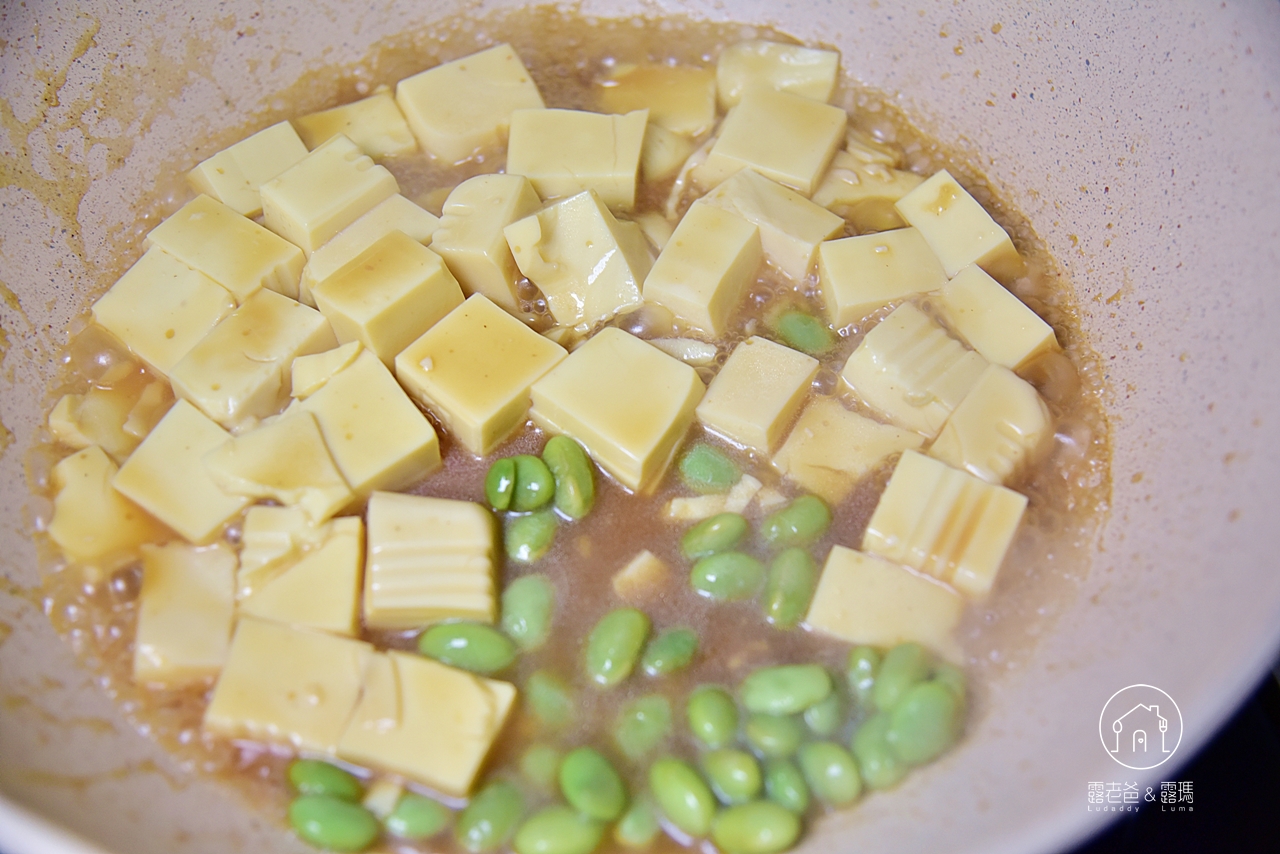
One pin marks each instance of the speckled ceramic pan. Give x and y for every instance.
(1139, 139)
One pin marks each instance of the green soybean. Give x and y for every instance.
(416, 818)
(775, 736)
(332, 823)
(786, 688)
(590, 784)
(638, 826)
(535, 486)
(804, 332)
(800, 523)
(761, 827)
(488, 820)
(571, 469)
(734, 775)
(615, 644)
(903, 666)
(527, 605)
(550, 699)
(706, 469)
(711, 536)
(470, 646)
(558, 830)
(682, 795)
(830, 771)
(712, 716)
(826, 717)
(784, 785)
(528, 538)
(880, 766)
(953, 677)
(540, 765)
(864, 664)
(793, 576)
(728, 576)
(670, 651)
(642, 726)
(500, 483)
(315, 777)
(924, 723)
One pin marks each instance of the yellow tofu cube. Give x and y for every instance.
(858, 275)
(378, 438)
(587, 264)
(679, 98)
(912, 372)
(185, 611)
(959, 229)
(565, 152)
(757, 393)
(944, 522)
(460, 107)
(98, 417)
(151, 406)
(1001, 426)
(760, 64)
(309, 373)
(863, 190)
(831, 448)
(166, 475)
(233, 175)
(995, 322)
(663, 153)
(92, 522)
(273, 535)
(627, 402)
(862, 599)
(791, 226)
(473, 370)
(286, 685)
(231, 249)
(706, 268)
(470, 237)
(374, 123)
(696, 507)
(644, 577)
(241, 369)
(425, 720)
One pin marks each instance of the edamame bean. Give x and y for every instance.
(826, 717)
(879, 765)
(571, 469)
(549, 698)
(540, 765)
(712, 716)
(332, 823)
(315, 777)
(716, 534)
(416, 818)
(761, 827)
(527, 605)
(924, 723)
(591, 785)
(775, 736)
(734, 775)
(638, 826)
(904, 665)
(534, 487)
(804, 332)
(642, 725)
(487, 821)
(614, 645)
(728, 576)
(864, 664)
(669, 652)
(792, 579)
(786, 688)
(800, 523)
(470, 646)
(953, 677)
(558, 830)
(682, 795)
(529, 538)
(706, 469)
(500, 483)
(784, 785)
(830, 771)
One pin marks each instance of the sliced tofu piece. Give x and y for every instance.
(473, 370)
(911, 371)
(944, 522)
(628, 403)
(761, 64)
(831, 448)
(679, 98)
(288, 686)
(92, 522)
(565, 152)
(757, 393)
(656, 227)
(98, 417)
(185, 612)
(691, 351)
(696, 507)
(644, 576)
(587, 264)
(309, 373)
(425, 720)
(858, 275)
(273, 535)
(999, 428)
(374, 123)
(152, 404)
(663, 153)
(741, 494)
(233, 175)
(959, 229)
(863, 189)
(995, 322)
(461, 107)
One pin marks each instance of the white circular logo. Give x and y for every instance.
(1140, 727)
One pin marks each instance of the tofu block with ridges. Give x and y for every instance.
(791, 226)
(862, 599)
(186, 608)
(289, 686)
(463, 106)
(644, 576)
(318, 588)
(473, 370)
(378, 438)
(470, 238)
(241, 369)
(233, 175)
(831, 448)
(1000, 427)
(679, 98)
(704, 271)
(858, 275)
(231, 249)
(374, 123)
(663, 153)
(627, 402)
(944, 522)
(959, 229)
(995, 322)
(911, 371)
(587, 264)
(429, 722)
(564, 152)
(863, 189)
(308, 374)
(99, 416)
(761, 64)
(167, 478)
(757, 393)
(92, 522)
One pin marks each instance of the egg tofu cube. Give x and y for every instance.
(705, 269)
(272, 534)
(309, 373)
(185, 612)
(460, 107)
(995, 322)
(93, 523)
(473, 370)
(241, 369)
(231, 249)
(679, 98)
(289, 686)
(663, 153)
(959, 229)
(233, 175)
(587, 264)
(152, 404)
(858, 275)
(757, 393)
(862, 188)
(374, 123)
(644, 576)
(1001, 426)
(98, 416)
(627, 402)
(760, 64)
(564, 152)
